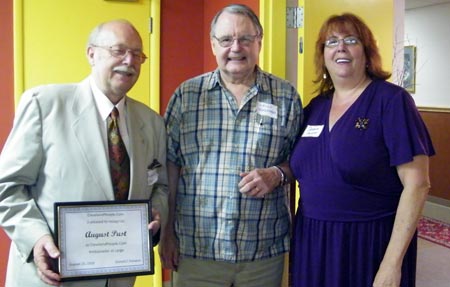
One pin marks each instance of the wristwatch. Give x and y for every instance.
(284, 178)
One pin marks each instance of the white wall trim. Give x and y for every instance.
(437, 211)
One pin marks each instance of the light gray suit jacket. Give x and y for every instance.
(55, 153)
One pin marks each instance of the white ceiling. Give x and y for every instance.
(411, 4)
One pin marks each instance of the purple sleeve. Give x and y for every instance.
(404, 131)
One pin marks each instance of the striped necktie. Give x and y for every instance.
(119, 162)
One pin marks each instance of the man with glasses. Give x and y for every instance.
(59, 151)
(230, 132)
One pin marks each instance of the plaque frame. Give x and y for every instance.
(104, 234)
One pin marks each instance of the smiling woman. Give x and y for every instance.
(350, 191)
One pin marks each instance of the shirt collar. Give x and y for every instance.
(104, 105)
(262, 83)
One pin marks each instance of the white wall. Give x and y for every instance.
(427, 29)
(399, 34)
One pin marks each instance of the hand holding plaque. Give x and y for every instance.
(103, 239)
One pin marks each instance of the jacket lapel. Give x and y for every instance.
(89, 138)
(137, 152)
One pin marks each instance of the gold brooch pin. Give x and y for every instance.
(361, 123)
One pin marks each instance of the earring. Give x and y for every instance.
(324, 76)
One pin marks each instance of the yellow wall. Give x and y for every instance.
(378, 15)
(273, 18)
(51, 46)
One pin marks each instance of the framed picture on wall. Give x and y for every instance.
(409, 69)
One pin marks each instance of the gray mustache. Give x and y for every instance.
(125, 69)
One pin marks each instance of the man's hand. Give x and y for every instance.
(168, 250)
(155, 225)
(259, 182)
(44, 252)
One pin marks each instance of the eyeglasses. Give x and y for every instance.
(227, 41)
(121, 53)
(348, 41)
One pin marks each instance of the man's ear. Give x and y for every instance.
(90, 55)
(213, 47)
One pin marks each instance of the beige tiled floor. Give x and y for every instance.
(433, 265)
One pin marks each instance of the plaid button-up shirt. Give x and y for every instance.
(212, 140)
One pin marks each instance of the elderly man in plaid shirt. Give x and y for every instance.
(230, 132)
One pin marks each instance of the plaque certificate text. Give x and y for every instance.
(103, 239)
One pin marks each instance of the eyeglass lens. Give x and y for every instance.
(348, 41)
(227, 41)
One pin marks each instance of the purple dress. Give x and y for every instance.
(350, 188)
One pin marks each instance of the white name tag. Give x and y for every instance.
(265, 109)
(312, 131)
(152, 176)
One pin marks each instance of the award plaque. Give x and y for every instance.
(103, 239)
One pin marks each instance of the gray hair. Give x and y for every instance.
(238, 9)
(96, 33)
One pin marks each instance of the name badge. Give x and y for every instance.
(152, 176)
(312, 131)
(265, 109)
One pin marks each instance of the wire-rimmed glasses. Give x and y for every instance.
(348, 41)
(121, 53)
(227, 41)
